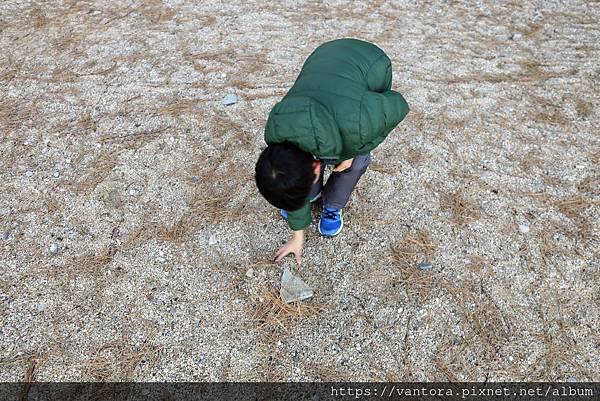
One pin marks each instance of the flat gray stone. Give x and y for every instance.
(230, 99)
(425, 266)
(293, 288)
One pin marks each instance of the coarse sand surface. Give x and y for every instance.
(134, 244)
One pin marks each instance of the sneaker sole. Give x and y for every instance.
(338, 230)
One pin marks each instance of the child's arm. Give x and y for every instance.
(294, 245)
(298, 220)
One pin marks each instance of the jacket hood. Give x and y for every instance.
(306, 123)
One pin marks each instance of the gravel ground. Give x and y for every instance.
(135, 246)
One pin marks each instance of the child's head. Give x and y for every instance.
(284, 174)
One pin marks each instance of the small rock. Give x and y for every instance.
(524, 228)
(56, 174)
(53, 248)
(29, 173)
(250, 273)
(172, 310)
(5, 236)
(425, 266)
(293, 288)
(212, 240)
(132, 192)
(230, 99)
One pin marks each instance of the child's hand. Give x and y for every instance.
(294, 245)
(343, 165)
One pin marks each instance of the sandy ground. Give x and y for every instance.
(116, 148)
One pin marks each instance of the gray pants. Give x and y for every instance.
(340, 185)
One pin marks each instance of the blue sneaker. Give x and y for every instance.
(284, 213)
(331, 222)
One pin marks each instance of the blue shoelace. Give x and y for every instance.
(330, 214)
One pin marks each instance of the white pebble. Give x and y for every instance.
(212, 240)
(29, 173)
(524, 228)
(53, 248)
(250, 273)
(230, 99)
(56, 174)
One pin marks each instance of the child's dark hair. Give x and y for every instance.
(284, 175)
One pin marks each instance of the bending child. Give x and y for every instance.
(339, 109)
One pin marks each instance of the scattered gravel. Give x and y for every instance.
(503, 131)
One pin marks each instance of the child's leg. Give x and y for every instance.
(317, 187)
(340, 185)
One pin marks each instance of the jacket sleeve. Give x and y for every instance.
(300, 219)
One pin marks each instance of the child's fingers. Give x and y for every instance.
(298, 258)
(281, 254)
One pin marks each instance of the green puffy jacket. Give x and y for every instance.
(340, 106)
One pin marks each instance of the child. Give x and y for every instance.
(338, 110)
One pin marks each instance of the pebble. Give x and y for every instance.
(56, 174)
(132, 192)
(425, 266)
(5, 236)
(250, 273)
(524, 228)
(29, 173)
(53, 248)
(230, 99)
(212, 240)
